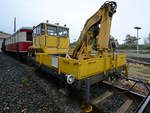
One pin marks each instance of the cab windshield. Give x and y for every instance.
(51, 30)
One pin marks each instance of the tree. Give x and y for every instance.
(130, 40)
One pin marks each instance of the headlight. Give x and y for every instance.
(70, 79)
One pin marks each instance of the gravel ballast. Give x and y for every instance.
(23, 91)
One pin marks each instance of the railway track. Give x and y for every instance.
(105, 96)
(131, 60)
(109, 98)
(117, 99)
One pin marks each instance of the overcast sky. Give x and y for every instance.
(74, 13)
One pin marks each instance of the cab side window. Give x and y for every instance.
(63, 32)
(42, 29)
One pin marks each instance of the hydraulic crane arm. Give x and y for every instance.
(96, 30)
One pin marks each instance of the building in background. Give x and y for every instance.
(3, 35)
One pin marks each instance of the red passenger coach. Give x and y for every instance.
(20, 41)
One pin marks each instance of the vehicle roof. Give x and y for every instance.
(26, 28)
(22, 28)
(53, 25)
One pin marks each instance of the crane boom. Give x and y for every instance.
(97, 28)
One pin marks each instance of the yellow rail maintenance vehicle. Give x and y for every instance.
(93, 58)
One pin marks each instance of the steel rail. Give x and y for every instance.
(138, 61)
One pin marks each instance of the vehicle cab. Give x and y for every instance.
(51, 39)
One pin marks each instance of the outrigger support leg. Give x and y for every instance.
(86, 107)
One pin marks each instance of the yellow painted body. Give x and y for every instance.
(43, 58)
(81, 69)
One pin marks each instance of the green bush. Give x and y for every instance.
(145, 47)
(144, 51)
(133, 47)
(125, 46)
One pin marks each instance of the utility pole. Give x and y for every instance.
(137, 39)
(15, 24)
(149, 38)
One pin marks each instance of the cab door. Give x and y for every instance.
(63, 40)
(36, 37)
(51, 39)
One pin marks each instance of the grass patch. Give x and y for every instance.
(25, 81)
(139, 71)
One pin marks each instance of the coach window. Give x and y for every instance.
(15, 38)
(11, 42)
(51, 30)
(6, 41)
(29, 36)
(63, 32)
